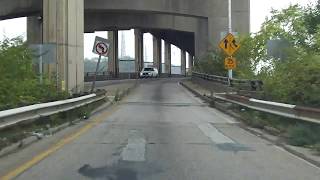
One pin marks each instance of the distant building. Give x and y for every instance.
(123, 45)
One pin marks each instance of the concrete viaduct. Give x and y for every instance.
(192, 25)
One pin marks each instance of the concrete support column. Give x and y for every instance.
(113, 61)
(183, 63)
(63, 26)
(190, 63)
(157, 53)
(167, 57)
(138, 50)
(34, 30)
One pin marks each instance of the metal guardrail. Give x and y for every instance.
(104, 76)
(12, 117)
(281, 109)
(285, 110)
(253, 85)
(214, 78)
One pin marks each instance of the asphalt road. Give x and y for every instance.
(162, 132)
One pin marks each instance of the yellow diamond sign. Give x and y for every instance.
(229, 45)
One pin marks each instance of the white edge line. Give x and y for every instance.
(297, 157)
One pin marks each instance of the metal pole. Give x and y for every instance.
(40, 65)
(230, 16)
(95, 75)
(230, 30)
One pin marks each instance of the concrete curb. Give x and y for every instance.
(197, 94)
(14, 147)
(254, 132)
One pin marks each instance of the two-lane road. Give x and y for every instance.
(162, 132)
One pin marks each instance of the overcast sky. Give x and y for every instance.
(259, 11)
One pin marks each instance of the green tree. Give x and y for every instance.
(295, 79)
(19, 84)
(211, 63)
(292, 79)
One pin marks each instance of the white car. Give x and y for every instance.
(149, 72)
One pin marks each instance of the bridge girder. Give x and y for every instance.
(215, 11)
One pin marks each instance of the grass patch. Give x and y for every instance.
(117, 96)
(317, 148)
(303, 135)
(252, 119)
(297, 133)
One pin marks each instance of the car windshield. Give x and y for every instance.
(148, 69)
(160, 89)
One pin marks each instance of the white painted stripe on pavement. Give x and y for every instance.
(225, 117)
(297, 157)
(136, 147)
(214, 134)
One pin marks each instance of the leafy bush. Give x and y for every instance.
(253, 118)
(317, 147)
(304, 135)
(19, 83)
(211, 63)
(293, 78)
(117, 96)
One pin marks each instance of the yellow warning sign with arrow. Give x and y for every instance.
(229, 44)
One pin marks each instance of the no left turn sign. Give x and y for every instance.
(101, 46)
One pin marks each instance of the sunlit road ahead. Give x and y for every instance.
(162, 132)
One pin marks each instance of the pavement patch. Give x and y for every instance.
(107, 172)
(223, 142)
(136, 147)
(214, 134)
(234, 147)
(165, 104)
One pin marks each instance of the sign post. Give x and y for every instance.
(40, 66)
(100, 47)
(229, 45)
(230, 30)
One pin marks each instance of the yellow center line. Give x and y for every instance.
(35, 160)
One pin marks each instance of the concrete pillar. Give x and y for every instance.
(34, 36)
(218, 19)
(110, 54)
(138, 50)
(34, 30)
(183, 63)
(157, 53)
(113, 61)
(167, 57)
(63, 26)
(190, 63)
